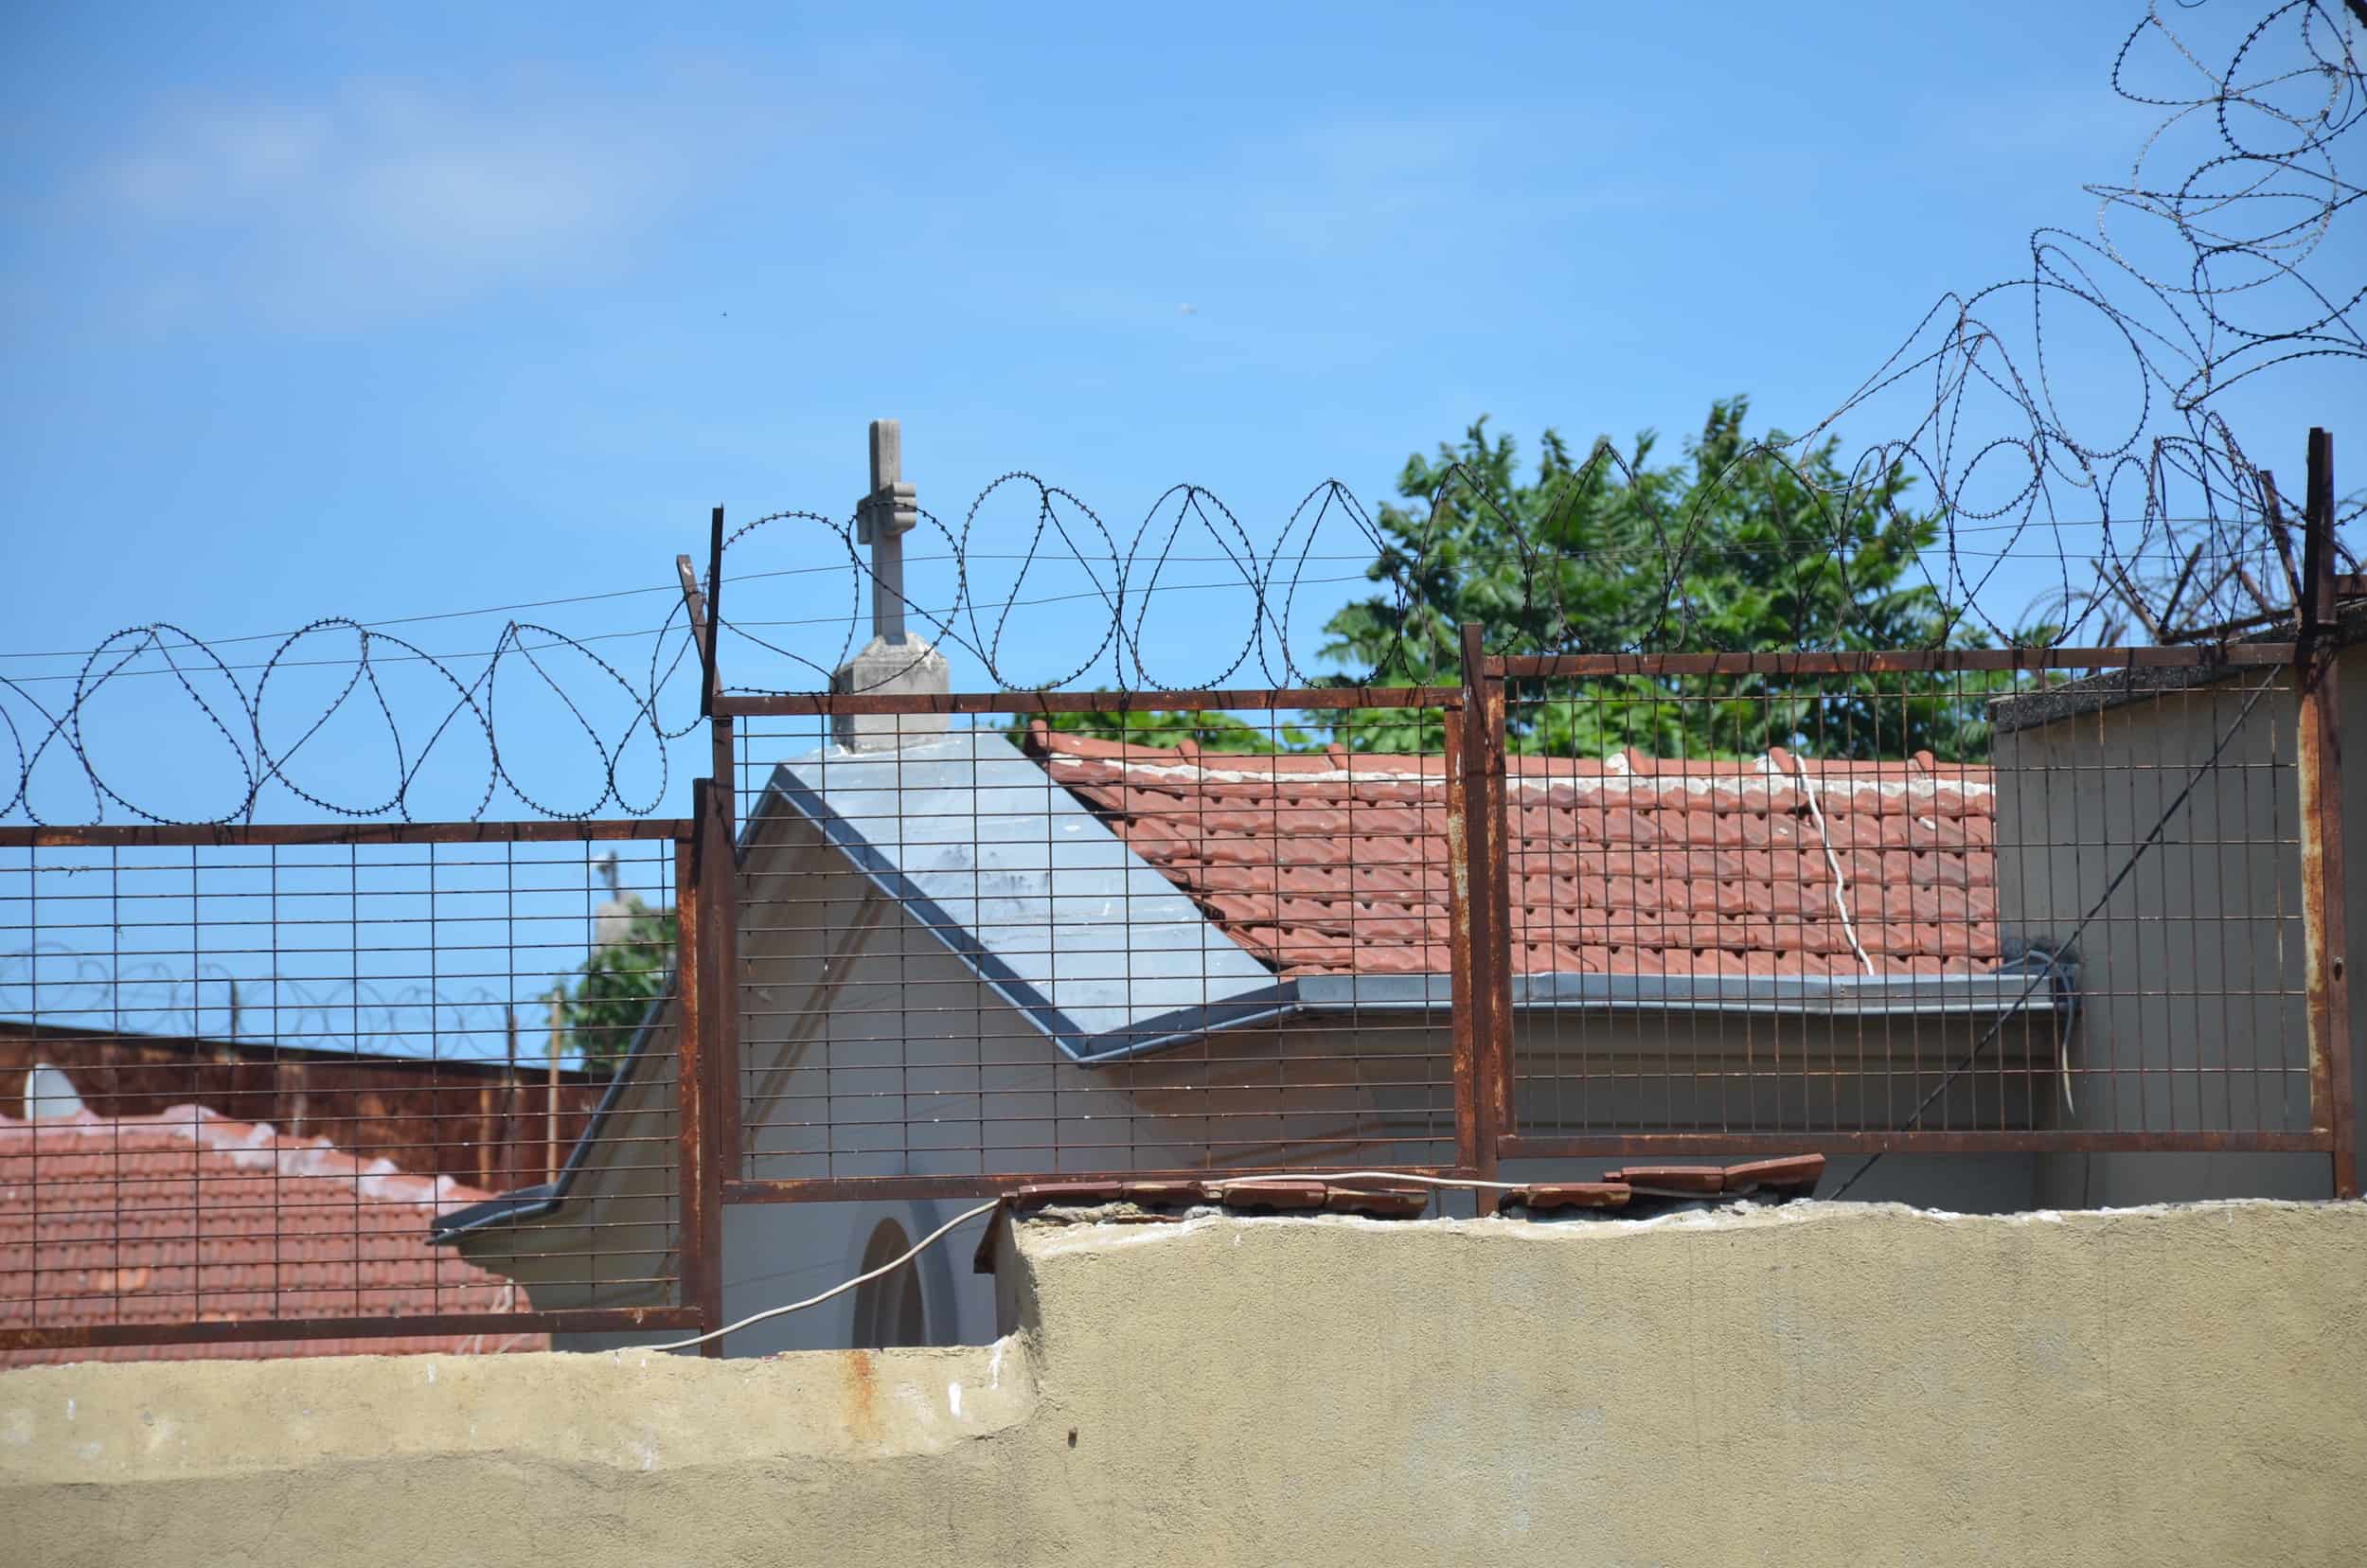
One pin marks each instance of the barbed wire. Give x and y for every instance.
(92, 995)
(2170, 528)
(260, 729)
(2216, 260)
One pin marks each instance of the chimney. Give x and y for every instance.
(896, 661)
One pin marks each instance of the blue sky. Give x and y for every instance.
(380, 311)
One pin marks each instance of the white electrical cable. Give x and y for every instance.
(840, 1289)
(933, 1237)
(1841, 883)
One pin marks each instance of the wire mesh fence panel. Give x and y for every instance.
(410, 1086)
(1939, 904)
(1112, 940)
(2160, 821)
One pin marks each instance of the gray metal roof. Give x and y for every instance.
(1081, 934)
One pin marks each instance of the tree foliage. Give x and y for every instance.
(602, 1007)
(1744, 544)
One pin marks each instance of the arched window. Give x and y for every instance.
(888, 1309)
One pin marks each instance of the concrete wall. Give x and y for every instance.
(2191, 1011)
(1811, 1384)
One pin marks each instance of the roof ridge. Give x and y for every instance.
(1775, 764)
(1173, 768)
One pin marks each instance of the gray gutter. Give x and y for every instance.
(523, 1204)
(2004, 990)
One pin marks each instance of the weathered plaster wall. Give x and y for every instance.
(1812, 1384)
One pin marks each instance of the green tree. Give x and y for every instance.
(603, 1004)
(1746, 544)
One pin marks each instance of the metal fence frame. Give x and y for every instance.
(1486, 1129)
(1468, 1032)
(696, 1265)
(2328, 1042)
(712, 1122)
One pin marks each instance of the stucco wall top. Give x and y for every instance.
(1823, 1384)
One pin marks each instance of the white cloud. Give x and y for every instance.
(382, 197)
(1345, 186)
(221, 157)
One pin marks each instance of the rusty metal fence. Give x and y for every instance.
(1979, 900)
(2023, 899)
(177, 1172)
(1022, 936)
(1570, 907)
(1961, 902)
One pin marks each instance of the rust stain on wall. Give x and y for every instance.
(862, 1397)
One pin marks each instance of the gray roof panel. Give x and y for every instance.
(1051, 907)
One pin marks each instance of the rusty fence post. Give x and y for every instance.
(2319, 752)
(702, 997)
(703, 611)
(1463, 920)
(1482, 940)
(722, 892)
(723, 888)
(1496, 1059)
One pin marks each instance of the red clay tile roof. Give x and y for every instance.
(1336, 863)
(188, 1214)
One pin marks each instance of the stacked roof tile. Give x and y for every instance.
(190, 1216)
(1337, 863)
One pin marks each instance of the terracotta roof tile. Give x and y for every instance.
(190, 1215)
(1337, 863)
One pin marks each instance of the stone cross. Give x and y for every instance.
(883, 519)
(895, 662)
